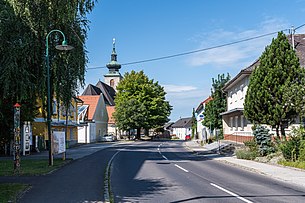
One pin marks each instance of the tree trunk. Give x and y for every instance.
(277, 131)
(283, 134)
(138, 133)
(146, 132)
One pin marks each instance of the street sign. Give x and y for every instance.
(27, 134)
(59, 142)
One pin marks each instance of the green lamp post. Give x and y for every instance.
(63, 47)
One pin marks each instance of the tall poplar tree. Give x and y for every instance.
(140, 103)
(279, 69)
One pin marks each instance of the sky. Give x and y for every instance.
(149, 29)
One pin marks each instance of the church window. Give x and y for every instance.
(112, 82)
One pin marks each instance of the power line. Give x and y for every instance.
(299, 27)
(198, 50)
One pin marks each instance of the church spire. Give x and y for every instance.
(113, 54)
(113, 66)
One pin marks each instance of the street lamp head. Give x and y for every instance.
(64, 46)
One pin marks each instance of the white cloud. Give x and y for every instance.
(178, 88)
(183, 97)
(240, 54)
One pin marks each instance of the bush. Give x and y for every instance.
(246, 154)
(294, 147)
(290, 148)
(302, 151)
(252, 145)
(263, 140)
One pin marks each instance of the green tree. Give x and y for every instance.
(140, 103)
(194, 125)
(23, 29)
(217, 105)
(279, 71)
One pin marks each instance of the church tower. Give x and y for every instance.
(113, 77)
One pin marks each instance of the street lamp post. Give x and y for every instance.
(64, 46)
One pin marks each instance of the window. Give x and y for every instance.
(112, 82)
(54, 107)
(236, 122)
(242, 92)
(230, 97)
(231, 123)
(242, 122)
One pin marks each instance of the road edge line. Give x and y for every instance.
(108, 196)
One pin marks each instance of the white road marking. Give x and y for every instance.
(231, 193)
(164, 157)
(181, 168)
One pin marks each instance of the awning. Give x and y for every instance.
(236, 110)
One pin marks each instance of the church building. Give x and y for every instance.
(108, 89)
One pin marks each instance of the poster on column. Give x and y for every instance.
(59, 142)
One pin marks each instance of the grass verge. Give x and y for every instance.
(30, 167)
(10, 191)
(246, 154)
(297, 164)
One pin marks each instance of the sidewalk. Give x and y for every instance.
(287, 174)
(74, 153)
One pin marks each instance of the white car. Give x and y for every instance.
(107, 138)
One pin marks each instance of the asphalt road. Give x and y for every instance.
(82, 180)
(166, 172)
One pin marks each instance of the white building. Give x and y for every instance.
(203, 132)
(92, 119)
(182, 127)
(235, 126)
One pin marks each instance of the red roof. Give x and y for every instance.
(207, 100)
(110, 111)
(92, 101)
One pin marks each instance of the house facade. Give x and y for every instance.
(62, 119)
(182, 127)
(203, 132)
(92, 119)
(235, 126)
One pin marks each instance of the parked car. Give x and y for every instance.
(188, 137)
(108, 138)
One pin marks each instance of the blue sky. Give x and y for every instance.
(146, 29)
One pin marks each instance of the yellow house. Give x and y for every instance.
(61, 120)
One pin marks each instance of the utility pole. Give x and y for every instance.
(292, 30)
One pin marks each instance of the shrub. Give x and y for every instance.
(302, 151)
(263, 140)
(294, 148)
(252, 145)
(290, 148)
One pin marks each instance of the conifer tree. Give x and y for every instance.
(279, 69)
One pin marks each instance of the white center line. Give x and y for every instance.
(181, 168)
(231, 193)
